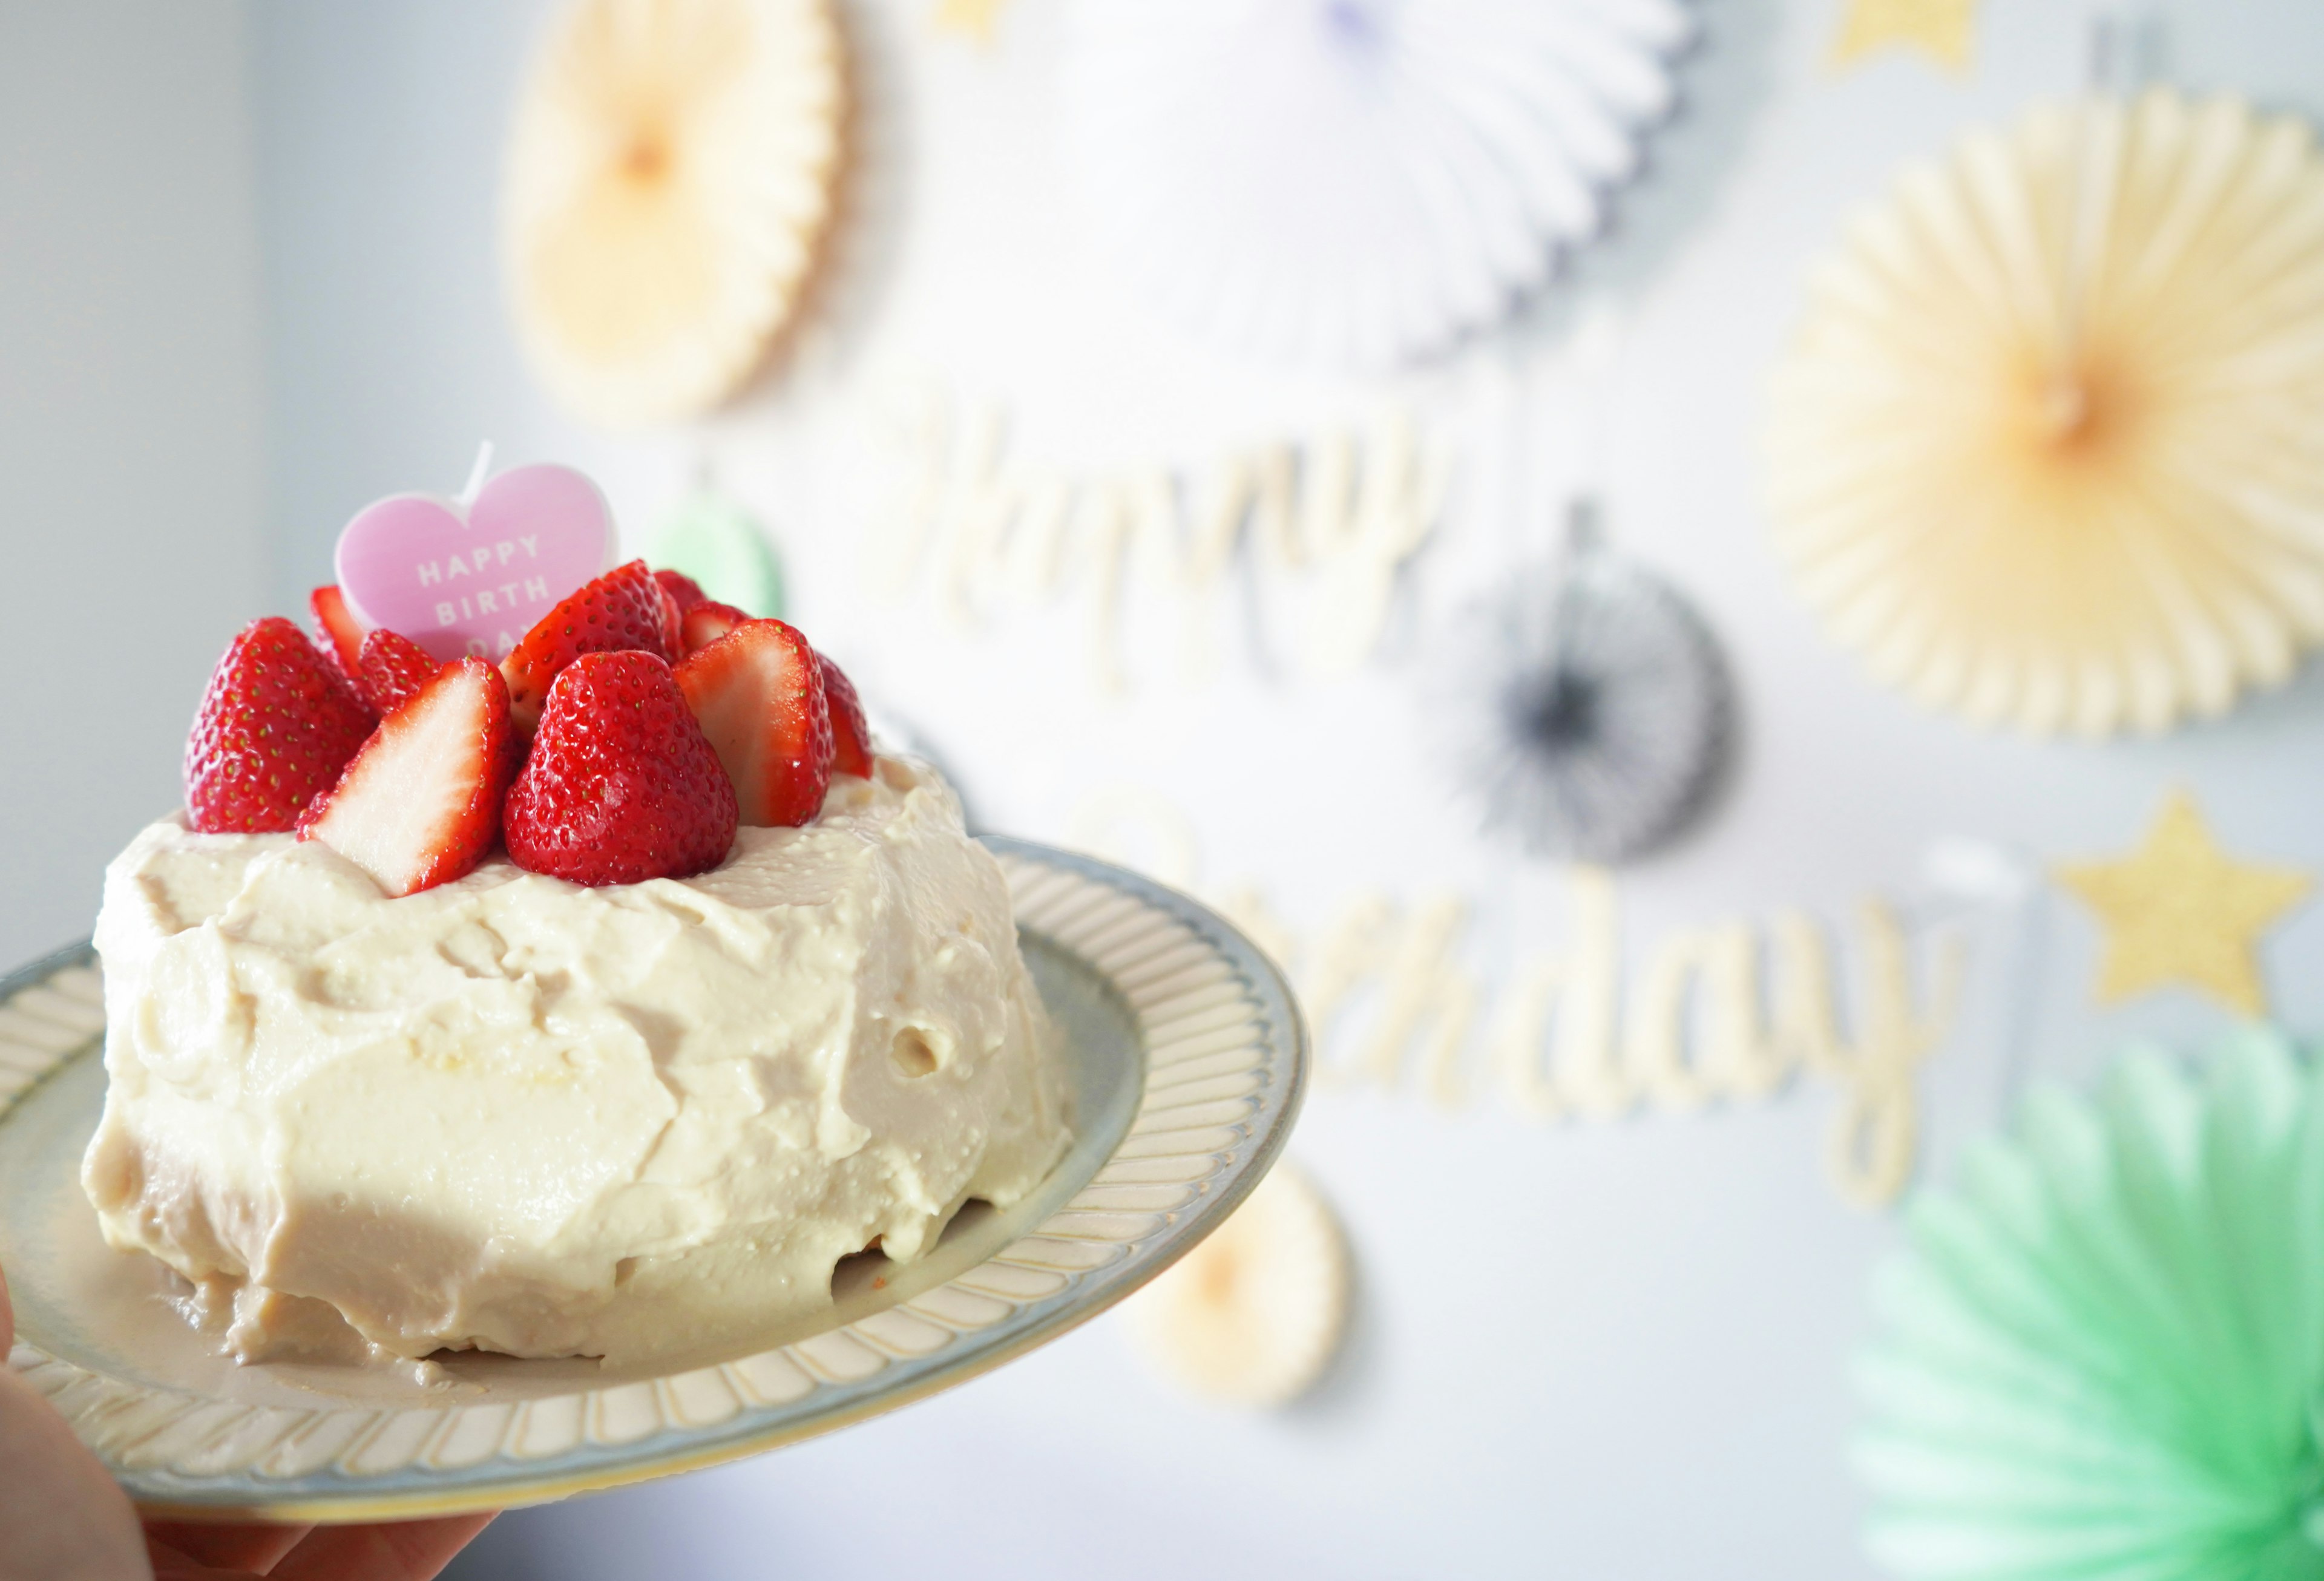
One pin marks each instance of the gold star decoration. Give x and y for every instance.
(2181, 910)
(1945, 29)
(973, 19)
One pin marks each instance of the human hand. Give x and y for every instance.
(62, 1518)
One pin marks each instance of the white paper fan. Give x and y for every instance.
(669, 176)
(2050, 448)
(1357, 182)
(1253, 1314)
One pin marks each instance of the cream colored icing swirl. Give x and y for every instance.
(518, 1115)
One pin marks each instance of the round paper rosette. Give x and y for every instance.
(2103, 1355)
(1253, 1315)
(1357, 182)
(1587, 707)
(2045, 450)
(670, 180)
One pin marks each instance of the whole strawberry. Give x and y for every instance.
(850, 736)
(276, 726)
(682, 589)
(621, 786)
(623, 609)
(391, 668)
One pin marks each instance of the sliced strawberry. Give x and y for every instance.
(706, 623)
(393, 668)
(420, 804)
(276, 725)
(342, 634)
(621, 786)
(681, 587)
(850, 736)
(623, 609)
(758, 692)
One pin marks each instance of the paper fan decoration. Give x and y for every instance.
(1357, 182)
(721, 544)
(2045, 452)
(1589, 706)
(669, 177)
(1253, 1314)
(2103, 1355)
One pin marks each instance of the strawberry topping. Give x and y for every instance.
(671, 620)
(342, 634)
(850, 736)
(276, 725)
(621, 786)
(706, 623)
(681, 587)
(420, 804)
(623, 609)
(759, 693)
(391, 668)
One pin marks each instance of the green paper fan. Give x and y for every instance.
(2102, 1355)
(723, 549)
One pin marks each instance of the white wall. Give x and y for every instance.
(130, 423)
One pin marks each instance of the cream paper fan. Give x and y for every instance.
(669, 176)
(2049, 451)
(1357, 182)
(1252, 1315)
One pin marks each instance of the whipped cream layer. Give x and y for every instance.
(515, 1114)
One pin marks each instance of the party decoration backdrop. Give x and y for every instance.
(1357, 182)
(2181, 910)
(2103, 1355)
(1253, 1315)
(2043, 453)
(1590, 707)
(669, 177)
(1614, 1151)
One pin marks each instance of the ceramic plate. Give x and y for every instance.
(1186, 1057)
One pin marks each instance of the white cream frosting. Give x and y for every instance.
(515, 1114)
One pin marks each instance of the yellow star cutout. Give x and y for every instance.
(974, 19)
(1946, 29)
(2180, 910)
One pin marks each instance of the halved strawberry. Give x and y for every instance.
(620, 786)
(850, 736)
(681, 587)
(277, 723)
(342, 634)
(623, 609)
(393, 668)
(759, 693)
(706, 623)
(420, 804)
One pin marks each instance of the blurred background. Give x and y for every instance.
(1174, 418)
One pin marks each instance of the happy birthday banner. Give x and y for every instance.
(1727, 1014)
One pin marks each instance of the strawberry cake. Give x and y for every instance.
(597, 1002)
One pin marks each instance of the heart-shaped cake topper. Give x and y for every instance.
(473, 579)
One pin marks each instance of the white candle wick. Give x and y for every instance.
(476, 476)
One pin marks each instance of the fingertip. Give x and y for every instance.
(392, 1550)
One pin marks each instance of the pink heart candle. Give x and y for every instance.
(472, 580)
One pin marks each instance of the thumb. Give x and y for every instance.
(7, 1320)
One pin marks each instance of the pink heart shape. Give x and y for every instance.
(459, 585)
